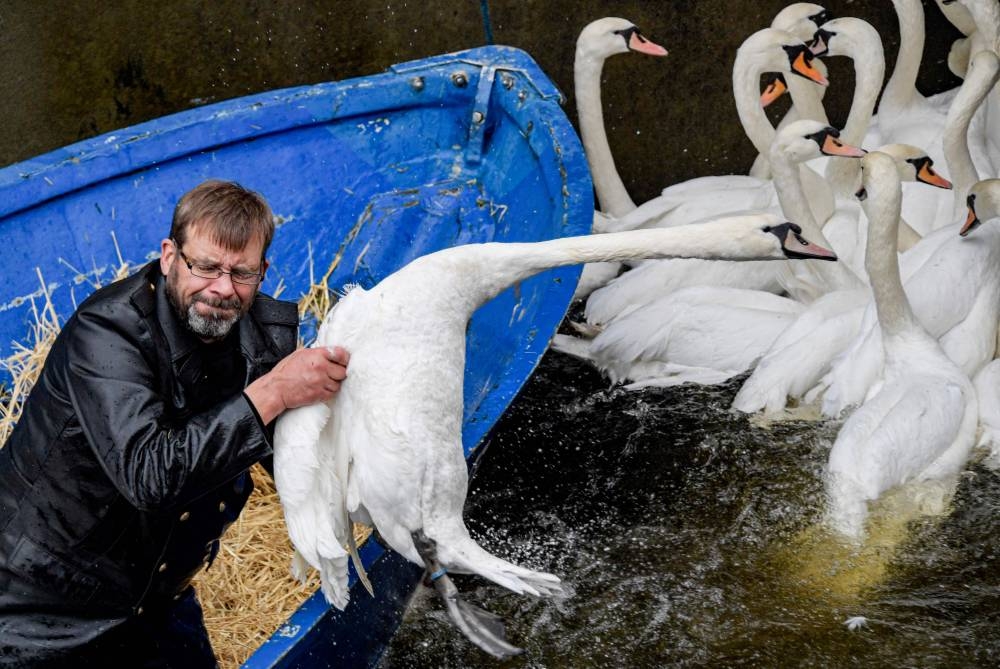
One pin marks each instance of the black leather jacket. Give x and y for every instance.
(122, 473)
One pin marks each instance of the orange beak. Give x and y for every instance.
(773, 91)
(971, 223)
(639, 43)
(807, 70)
(929, 176)
(834, 147)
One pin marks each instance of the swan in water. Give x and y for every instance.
(802, 353)
(707, 334)
(984, 205)
(597, 42)
(387, 451)
(824, 340)
(921, 424)
(953, 285)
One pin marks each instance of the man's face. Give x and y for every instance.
(209, 307)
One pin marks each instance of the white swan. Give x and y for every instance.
(921, 424)
(953, 287)
(907, 116)
(597, 42)
(986, 15)
(708, 197)
(767, 50)
(387, 451)
(707, 334)
(984, 205)
(846, 228)
(798, 142)
(801, 20)
(798, 358)
(700, 334)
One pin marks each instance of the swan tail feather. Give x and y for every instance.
(352, 549)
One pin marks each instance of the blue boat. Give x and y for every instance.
(363, 176)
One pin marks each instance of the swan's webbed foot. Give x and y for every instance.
(481, 627)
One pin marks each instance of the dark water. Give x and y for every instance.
(684, 533)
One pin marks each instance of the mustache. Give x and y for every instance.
(231, 304)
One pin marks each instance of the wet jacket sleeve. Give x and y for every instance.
(154, 463)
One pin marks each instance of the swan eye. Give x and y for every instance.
(821, 17)
(767, 228)
(970, 201)
(862, 194)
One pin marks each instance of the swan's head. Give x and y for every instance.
(801, 19)
(771, 50)
(609, 36)
(913, 164)
(807, 139)
(766, 236)
(849, 36)
(983, 203)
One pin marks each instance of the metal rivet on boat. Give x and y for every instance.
(507, 81)
(522, 96)
(139, 611)
(417, 83)
(185, 515)
(222, 506)
(162, 568)
(460, 79)
(477, 117)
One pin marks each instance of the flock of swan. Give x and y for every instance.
(714, 278)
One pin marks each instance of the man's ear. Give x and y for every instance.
(167, 253)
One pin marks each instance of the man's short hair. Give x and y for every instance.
(230, 214)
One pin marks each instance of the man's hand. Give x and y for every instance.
(307, 376)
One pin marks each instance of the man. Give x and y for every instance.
(131, 456)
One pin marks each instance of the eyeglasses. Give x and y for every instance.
(212, 271)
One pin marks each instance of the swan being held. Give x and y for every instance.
(920, 426)
(387, 451)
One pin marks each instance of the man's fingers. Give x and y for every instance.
(338, 355)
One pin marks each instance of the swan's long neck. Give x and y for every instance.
(795, 206)
(495, 266)
(983, 72)
(746, 82)
(611, 193)
(869, 70)
(807, 96)
(791, 195)
(881, 258)
(901, 90)
(986, 14)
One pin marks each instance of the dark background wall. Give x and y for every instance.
(72, 70)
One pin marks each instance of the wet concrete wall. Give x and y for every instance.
(74, 70)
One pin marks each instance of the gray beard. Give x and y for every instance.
(207, 326)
